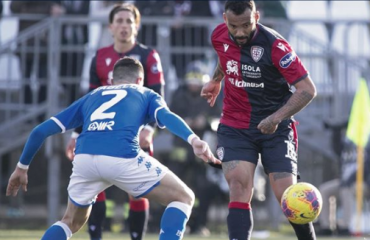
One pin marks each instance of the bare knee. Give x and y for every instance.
(239, 191)
(187, 196)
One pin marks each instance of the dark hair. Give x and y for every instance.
(125, 7)
(239, 7)
(127, 69)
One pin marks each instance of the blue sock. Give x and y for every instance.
(174, 221)
(57, 231)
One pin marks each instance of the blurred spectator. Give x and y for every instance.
(339, 192)
(156, 8)
(73, 35)
(184, 34)
(187, 103)
(34, 63)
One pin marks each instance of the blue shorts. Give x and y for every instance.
(278, 151)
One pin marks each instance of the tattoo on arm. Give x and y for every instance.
(280, 175)
(297, 102)
(228, 166)
(218, 74)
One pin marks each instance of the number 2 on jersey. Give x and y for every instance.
(100, 113)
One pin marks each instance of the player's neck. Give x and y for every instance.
(121, 47)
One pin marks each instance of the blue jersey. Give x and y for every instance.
(112, 117)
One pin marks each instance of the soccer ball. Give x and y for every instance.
(301, 203)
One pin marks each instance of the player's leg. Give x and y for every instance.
(138, 217)
(279, 158)
(144, 176)
(97, 217)
(74, 218)
(235, 145)
(239, 175)
(179, 199)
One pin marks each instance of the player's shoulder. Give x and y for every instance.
(270, 34)
(142, 47)
(219, 31)
(105, 49)
(273, 39)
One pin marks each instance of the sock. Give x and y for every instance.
(57, 231)
(173, 222)
(96, 220)
(304, 231)
(138, 218)
(240, 221)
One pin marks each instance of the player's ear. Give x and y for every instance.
(140, 81)
(110, 28)
(257, 15)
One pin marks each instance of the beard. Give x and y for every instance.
(246, 38)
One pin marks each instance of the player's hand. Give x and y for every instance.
(268, 126)
(202, 150)
(17, 180)
(210, 91)
(146, 138)
(70, 150)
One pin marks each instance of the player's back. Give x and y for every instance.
(112, 118)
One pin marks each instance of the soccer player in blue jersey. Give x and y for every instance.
(108, 152)
(124, 23)
(258, 67)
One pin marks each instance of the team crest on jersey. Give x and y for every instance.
(220, 153)
(256, 53)
(232, 67)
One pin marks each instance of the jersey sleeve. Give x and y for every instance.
(287, 62)
(154, 71)
(71, 117)
(156, 103)
(94, 81)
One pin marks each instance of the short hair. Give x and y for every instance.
(125, 7)
(127, 69)
(239, 7)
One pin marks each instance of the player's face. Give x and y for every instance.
(123, 27)
(241, 26)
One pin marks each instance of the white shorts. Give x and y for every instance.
(91, 174)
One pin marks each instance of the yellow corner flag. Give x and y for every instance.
(358, 130)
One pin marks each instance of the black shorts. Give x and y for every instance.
(278, 151)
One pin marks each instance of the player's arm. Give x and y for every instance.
(177, 126)
(305, 92)
(291, 68)
(212, 89)
(38, 135)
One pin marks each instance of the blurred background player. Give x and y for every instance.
(124, 23)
